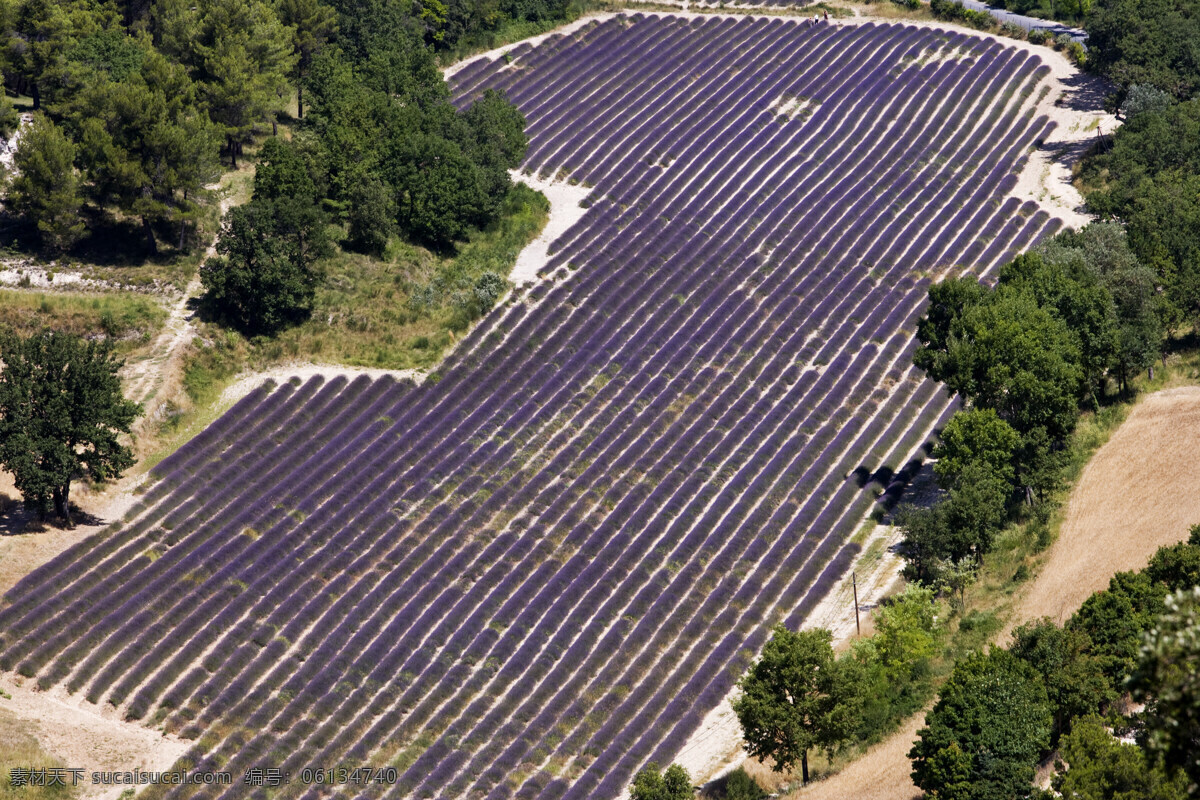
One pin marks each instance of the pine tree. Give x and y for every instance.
(45, 191)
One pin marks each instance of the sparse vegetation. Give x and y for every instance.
(20, 749)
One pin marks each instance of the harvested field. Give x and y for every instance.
(882, 774)
(1137, 494)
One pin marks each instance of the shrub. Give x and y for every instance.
(371, 216)
(1038, 36)
(738, 785)
(1143, 98)
(1013, 31)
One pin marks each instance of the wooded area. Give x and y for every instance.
(136, 103)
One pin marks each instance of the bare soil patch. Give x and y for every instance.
(81, 736)
(882, 774)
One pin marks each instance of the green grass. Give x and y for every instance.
(18, 748)
(129, 319)
(397, 312)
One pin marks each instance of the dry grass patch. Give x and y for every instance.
(131, 320)
(1137, 494)
(19, 748)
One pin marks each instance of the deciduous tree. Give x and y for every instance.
(797, 697)
(1167, 679)
(976, 436)
(984, 736)
(264, 277)
(1075, 682)
(1098, 767)
(673, 783)
(1146, 42)
(61, 413)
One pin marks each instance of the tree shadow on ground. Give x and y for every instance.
(1085, 92)
(108, 241)
(913, 484)
(16, 519)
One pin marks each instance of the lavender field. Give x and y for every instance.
(540, 568)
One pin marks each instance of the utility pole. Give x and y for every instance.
(854, 582)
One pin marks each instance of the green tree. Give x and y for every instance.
(797, 697)
(349, 121)
(61, 413)
(977, 436)
(1009, 354)
(1102, 768)
(956, 577)
(371, 217)
(440, 192)
(496, 140)
(146, 144)
(1177, 566)
(1115, 619)
(984, 736)
(674, 783)
(907, 633)
(240, 54)
(312, 24)
(45, 192)
(926, 543)
(1167, 679)
(9, 118)
(738, 785)
(264, 277)
(947, 302)
(1149, 179)
(1074, 679)
(45, 33)
(282, 172)
(1134, 289)
(1076, 295)
(975, 510)
(1146, 42)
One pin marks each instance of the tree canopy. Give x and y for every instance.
(61, 416)
(983, 738)
(45, 191)
(264, 277)
(1167, 678)
(797, 697)
(1148, 42)
(1102, 768)
(147, 93)
(673, 783)
(1074, 678)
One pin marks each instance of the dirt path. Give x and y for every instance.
(156, 379)
(565, 211)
